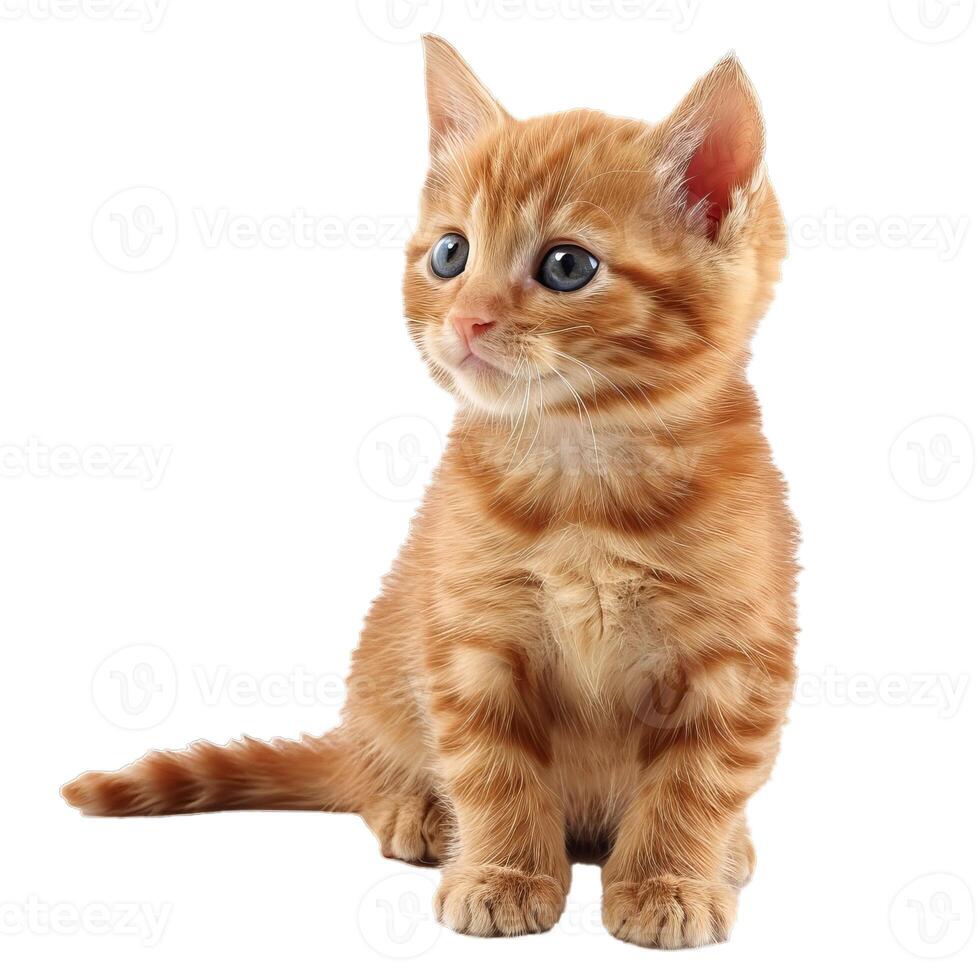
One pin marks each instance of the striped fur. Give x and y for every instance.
(586, 643)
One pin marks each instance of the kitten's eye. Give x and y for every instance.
(449, 256)
(567, 267)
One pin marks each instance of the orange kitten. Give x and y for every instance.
(586, 644)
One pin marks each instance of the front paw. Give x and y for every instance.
(490, 900)
(669, 912)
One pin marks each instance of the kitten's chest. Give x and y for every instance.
(599, 612)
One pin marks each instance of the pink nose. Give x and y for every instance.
(468, 327)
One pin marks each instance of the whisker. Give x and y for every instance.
(626, 397)
(522, 419)
(540, 414)
(574, 326)
(583, 407)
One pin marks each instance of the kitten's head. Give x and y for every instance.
(580, 260)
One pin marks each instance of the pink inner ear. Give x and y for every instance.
(724, 161)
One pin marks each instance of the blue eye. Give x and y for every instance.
(566, 268)
(448, 257)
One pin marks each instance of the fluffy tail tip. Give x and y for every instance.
(100, 794)
(80, 792)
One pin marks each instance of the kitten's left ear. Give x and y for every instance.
(459, 104)
(716, 143)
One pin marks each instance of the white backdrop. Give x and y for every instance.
(213, 429)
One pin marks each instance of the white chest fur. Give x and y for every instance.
(598, 614)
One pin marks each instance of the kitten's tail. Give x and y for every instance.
(246, 774)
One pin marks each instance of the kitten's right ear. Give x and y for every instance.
(716, 140)
(459, 104)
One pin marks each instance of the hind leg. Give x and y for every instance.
(741, 855)
(413, 828)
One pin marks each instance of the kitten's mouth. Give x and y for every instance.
(477, 376)
(479, 380)
(473, 363)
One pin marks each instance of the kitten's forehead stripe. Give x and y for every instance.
(510, 165)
